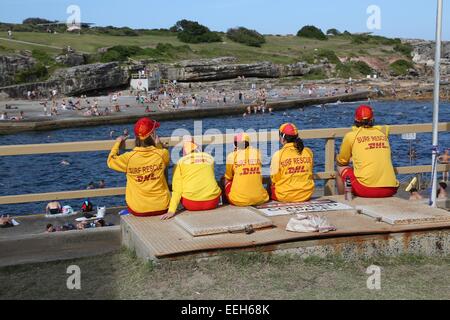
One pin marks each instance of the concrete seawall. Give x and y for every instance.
(11, 127)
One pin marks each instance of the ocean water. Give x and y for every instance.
(45, 173)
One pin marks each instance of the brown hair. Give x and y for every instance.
(298, 142)
(147, 142)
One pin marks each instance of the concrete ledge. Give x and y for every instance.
(357, 235)
(59, 246)
(423, 243)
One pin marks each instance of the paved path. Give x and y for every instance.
(37, 44)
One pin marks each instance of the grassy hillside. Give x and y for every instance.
(278, 49)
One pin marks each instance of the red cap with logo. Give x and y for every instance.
(241, 137)
(363, 113)
(289, 129)
(144, 127)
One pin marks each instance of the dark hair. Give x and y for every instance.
(240, 145)
(443, 185)
(147, 142)
(413, 190)
(365, 123)
(296, 140)
(101, 222)
(49, 226)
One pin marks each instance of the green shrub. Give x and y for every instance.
(36, 73)
(360, 39)
(307, 57)
(112, 31)
(333, 31)
(378, 40)
(162, 52)
(311, 32)
(344, 70)
(194, 32)
(42, 56)
(328, 54)
(353, 69)
(400, 67)
(249, 37)
(36, 21)
(120, 53)
(404, 48)
(362, 67)
(315, 74)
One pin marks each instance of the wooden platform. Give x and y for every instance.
(226, 220)
(153, 238)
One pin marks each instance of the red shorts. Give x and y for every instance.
(147, 214)
(273, 194)
(228, 185)
(367, 192)
(200, 205)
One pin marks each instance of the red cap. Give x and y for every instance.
(144, 127)
(241, 137)
(363, 113)
(289, 129)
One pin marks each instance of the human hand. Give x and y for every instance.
(121, 139)
(168, 215)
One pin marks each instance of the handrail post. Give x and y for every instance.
(330, 184)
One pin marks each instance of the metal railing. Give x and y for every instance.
(329, 135)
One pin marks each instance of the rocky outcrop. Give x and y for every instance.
(20, 90)
(423, 51)
(90, 77)
(76, 80)
(71, 59)
(423, 54)
(227, 68)
(12, 64)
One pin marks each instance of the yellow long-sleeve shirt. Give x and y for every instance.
(244, 169)
(370, 151)
(193, 179)
(292, 174)
(147, 189)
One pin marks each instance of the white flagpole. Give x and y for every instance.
(437, 77)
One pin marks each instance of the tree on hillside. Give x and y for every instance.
(35, 21)
(311, 32)
(193, 32)
(246, 36)
(333, 31)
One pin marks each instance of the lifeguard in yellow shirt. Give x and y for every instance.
(291, 169)
(147, 193)
(243, 176)
(367, 146)
(193, 182)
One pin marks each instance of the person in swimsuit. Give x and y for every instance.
(53, 207)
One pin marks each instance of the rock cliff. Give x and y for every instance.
(76, 80)
(227, 68)
(12, 64)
